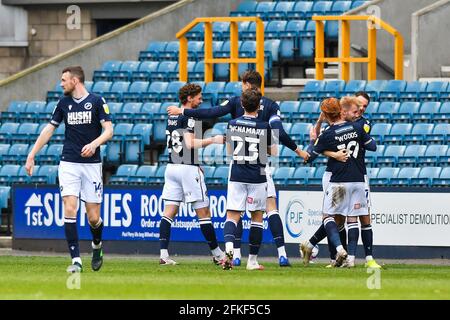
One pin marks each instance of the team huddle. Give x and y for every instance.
(251, 138)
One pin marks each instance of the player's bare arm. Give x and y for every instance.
(89, 149)
(193, 143)
(42, 140)
(174, 111)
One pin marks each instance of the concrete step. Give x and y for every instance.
(286, 93)
(435, 79)
(445, 71)
(6, 242)
(329, 73)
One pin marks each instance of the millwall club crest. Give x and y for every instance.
(88, 106)
(70, 107)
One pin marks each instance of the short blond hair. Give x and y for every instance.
(347, 102)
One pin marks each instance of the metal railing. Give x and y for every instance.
(233, 59)
(345, 58)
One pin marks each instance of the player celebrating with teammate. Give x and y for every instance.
(345, 193)
(248, 141)
(184, 179)
(80, 169)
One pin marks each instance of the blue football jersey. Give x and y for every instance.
(249, 138)
(179, 153)
(82, 119)
(352, 137)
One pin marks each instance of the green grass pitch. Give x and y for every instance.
(39, 277)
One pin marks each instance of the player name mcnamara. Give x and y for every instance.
(253, 131)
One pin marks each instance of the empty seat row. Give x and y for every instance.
(16, 174)
(383, 90)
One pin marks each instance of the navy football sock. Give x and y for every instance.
(332, 232)
(164, 232)
(255, 237)
(238, 235)
(208, 232)
(70, 228)
(353, 235)
(276, 228)
(367, 239)
(96, 232)
(319, 235)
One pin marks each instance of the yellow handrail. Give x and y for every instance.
(345, 58)
(234, 59)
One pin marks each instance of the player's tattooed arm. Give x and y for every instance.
(89, 149)
(42, 140)
(209, 113)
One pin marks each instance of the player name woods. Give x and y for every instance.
(227, 309)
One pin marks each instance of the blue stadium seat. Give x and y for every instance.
(153, 50)
(412, 90)
(47, 174)
(101, 87)
(391, 155)
(311, 89)
(123, 173)
(374, 87)
(320, 8)
(198, 74)
(4, 148)
(245, 8)
(307, 42)
(432, 155)
(116, 91)
(135, 91)
(212, 90)
(195, 50)
(170, 51)
(318, 175)
(158, 178)
(384, 111)
(32, 111)
(142, 174)
(358, 3)
(444, 178)
(300, 132)
(144, 130)
(59, 134)
(264, 8)
(371, 157)
(56, 93)
(444, 113)
(411, 155)
(406, 111)
(126, 70)
(352, 87)
(144, 71)
(391, 92)
(164, 68)
(331, 89)
(274, 29)
(419, 133)
(384, 176)
(301, 175)
(372, 173)
(27, 133)
(379, 130)
(433, 91)
(281, 175)
(51, 155)
(309, 111)
(220, 176)
(106, 71)
(7, 172)
(17, 153)
(128, 112)
(7, 130)
(404, 176)
(290, 46)
(171, 93)
(197, 33)
(281, 10)
(232, 88)
(372, 109)
(154, 91)
(4, 197)
(15, 108)
(300, 10)
(441, 134)
(289, 110)
(427, 111)
(426, 176)
(397, 133)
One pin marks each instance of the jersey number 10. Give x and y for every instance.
(352, 148)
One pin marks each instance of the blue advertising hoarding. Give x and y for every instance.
(128, 214)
